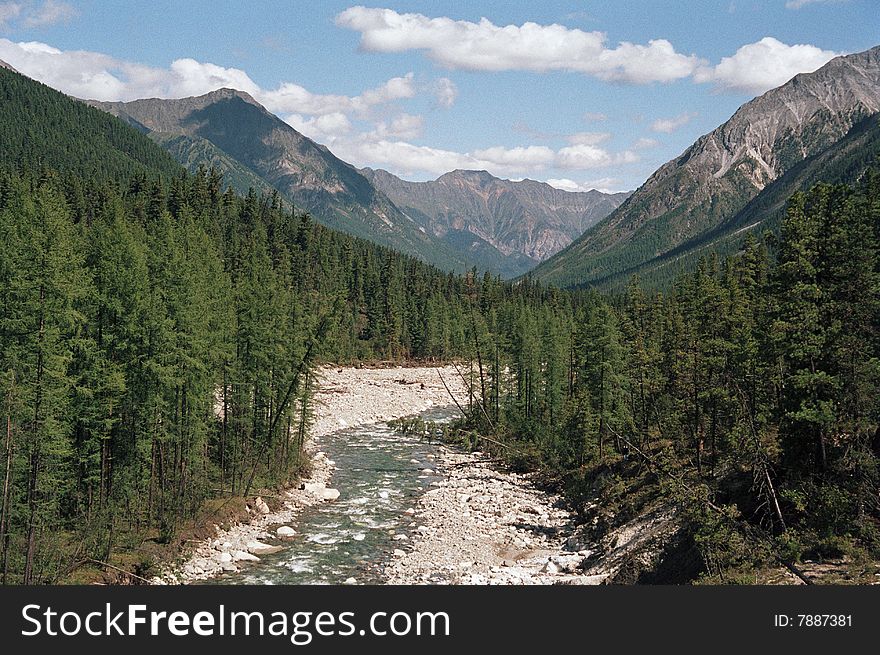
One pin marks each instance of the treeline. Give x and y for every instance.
(157, 349)
(749, 393)
(40, 127)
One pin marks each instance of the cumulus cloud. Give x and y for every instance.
(588, 138)
(761, 66)
(517, 159)
(403, 126)
(290, 97)
(50, 13)
(605, 184)
(585, 157)
(670, 125)
(98, 76)
(326, 128)
(407, 159)
(367, 129)
(485, 46)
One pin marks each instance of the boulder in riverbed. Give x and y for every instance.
(330, 494)
(285, 532)
(244, 556)
(261, 506)
(259, 548)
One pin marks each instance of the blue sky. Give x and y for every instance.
(583, 94)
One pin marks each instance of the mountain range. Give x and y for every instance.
(461, 220)
(817, 126)
(526, 221)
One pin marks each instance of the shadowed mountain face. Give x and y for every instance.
(527, 220)
(715, 179)
(254, 148)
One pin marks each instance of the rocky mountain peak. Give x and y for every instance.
(716, 177)
(468, 176)
(227, 93)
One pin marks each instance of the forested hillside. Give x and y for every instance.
(157, 344)
(746, 396)
(40, 127)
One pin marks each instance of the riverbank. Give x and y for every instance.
(346, 397)
(484, 525)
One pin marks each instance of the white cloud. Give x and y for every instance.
(404, 158)
(289, 97)
(445, 92)
(98, 76)
(485, 46)
(403, 126)
(588, 138)
(669, 125)
(50, 13)
(761, 66)
(565, 184)
(605, 185)
(8, 12)
(517, 159)
(326, 128)
(189, 77)
(397, 88)
(367, 129)
(645, 144)
(584, 156)
(799, 4)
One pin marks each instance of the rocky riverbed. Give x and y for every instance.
(480, 525)
(477, 523)
(346, 397)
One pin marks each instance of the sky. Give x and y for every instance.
(582, 95)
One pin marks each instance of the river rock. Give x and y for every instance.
(285, 532)
(330, 494)
(259, 548)
(550, 567)
(244, 556)
(261, 506)
(224, 558)
(399, 553)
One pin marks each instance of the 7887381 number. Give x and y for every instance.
(824, 620)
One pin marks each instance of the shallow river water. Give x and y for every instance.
(380, 473)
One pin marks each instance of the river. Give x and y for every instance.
(380, 473)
